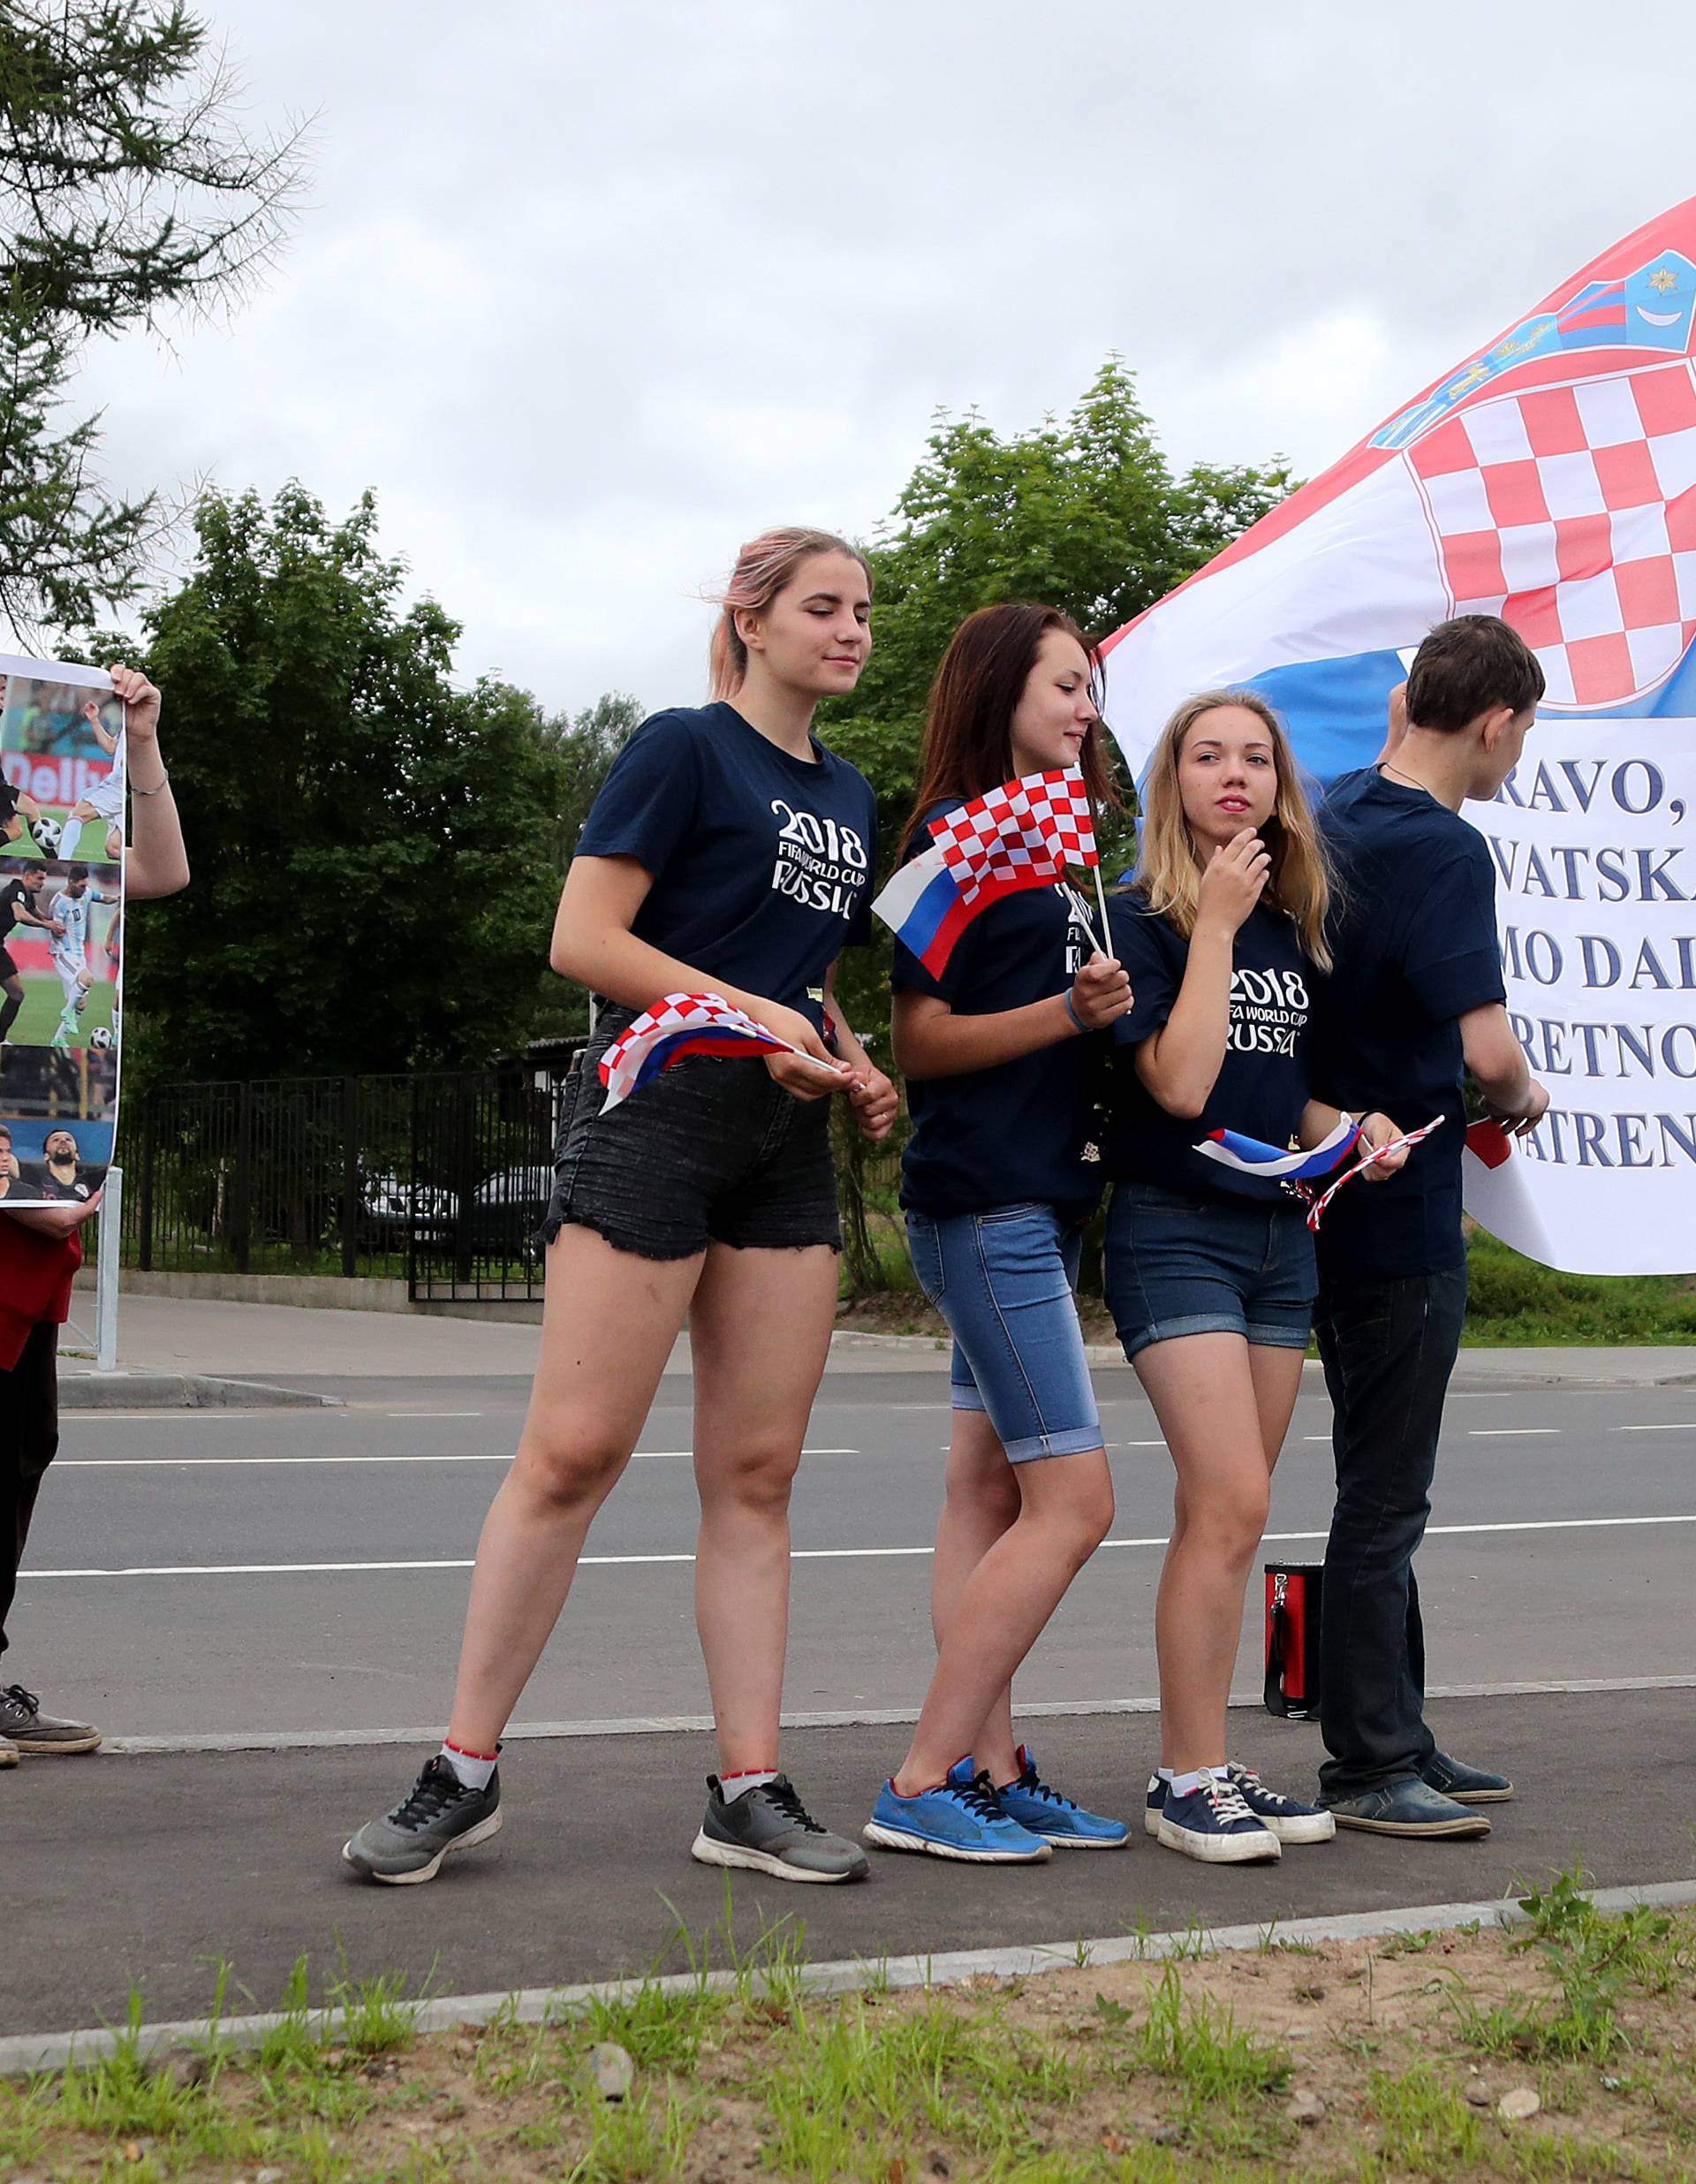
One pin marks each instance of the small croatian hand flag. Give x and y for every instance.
(1022, 835)
(684, 1024)
(1249, 1157)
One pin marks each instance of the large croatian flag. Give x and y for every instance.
(1551, 479)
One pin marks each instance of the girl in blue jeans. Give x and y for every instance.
(1210, 1272)
(1000, 1055)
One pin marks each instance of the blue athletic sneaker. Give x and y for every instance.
(958, 1820)
(1037, 1805)
(1213, 1823)
(1288, 1819)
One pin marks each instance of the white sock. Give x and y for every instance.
(750, 1778)
(1198, 1778)
(473, 1769)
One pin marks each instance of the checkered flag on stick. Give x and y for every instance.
(681, 1024)
(1026, 833)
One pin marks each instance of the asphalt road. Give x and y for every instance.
(146, 1872)
(208, 1574)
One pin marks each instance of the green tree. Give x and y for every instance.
(127, 189)
(374, 852)
(585, 744)
(1083, 513)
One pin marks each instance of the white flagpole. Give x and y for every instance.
(1101, 896)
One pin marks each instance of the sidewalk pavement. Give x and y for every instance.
(152, 1869)
(261, 1342)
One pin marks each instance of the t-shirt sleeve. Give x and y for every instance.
(647, 803)
(1449, 954)
(1154, 956)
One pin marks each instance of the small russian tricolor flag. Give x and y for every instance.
(1252, 1157)
(925, 909)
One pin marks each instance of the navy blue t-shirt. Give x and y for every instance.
(761, 861)
(1018, 1134)
(1414, 941)
(1263, 1085)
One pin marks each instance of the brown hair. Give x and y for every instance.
(1168, 869)
(968, 744)
(763, 567)
(1468, 666)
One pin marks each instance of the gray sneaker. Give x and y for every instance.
(8, 1753)
(25, 1726)
(437, 1815)
(769, 1830)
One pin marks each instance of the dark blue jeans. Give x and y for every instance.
(1388, 1348)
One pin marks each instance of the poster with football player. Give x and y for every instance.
(62, 808)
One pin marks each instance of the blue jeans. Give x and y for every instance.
(1388, 1348)
(1003, 1281)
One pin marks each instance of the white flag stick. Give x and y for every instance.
(1101, 896)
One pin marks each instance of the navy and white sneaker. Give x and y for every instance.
(1155, 1804)
(1288, 1819)
(1213, 1823)
(1039, 1807)
(958, 1819)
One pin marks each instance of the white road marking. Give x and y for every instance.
(1677, 1425)
(256, 1463)
(1506, 1433)
(801, 1554)
(420, 1414)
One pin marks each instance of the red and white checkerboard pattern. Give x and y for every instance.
(1024, 833)
(1571, 512)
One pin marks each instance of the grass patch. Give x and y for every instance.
(1400, 2054)
(1515, 1300)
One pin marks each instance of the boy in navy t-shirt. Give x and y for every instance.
(1415, 1001)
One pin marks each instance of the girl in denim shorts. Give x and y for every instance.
(1000, 1052)
(729, 851)
(1210, 1272)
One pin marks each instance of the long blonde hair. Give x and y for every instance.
(1168, 869)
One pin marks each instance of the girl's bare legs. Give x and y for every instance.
(980, 1500)
(1204, 1392)
(601, 1307)
(1065, 1508)
(760, 1328)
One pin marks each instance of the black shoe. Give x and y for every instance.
(1467, 1785)
(23, 1723)
(769, 1830)
(437, 1815)
(1404, 1807)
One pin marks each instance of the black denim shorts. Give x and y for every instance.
(712, 1151)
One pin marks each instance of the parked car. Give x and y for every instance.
(393, 1208)
(507, 1210)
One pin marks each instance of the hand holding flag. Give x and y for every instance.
(683, 1024)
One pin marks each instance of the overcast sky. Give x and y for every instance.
(588, 291)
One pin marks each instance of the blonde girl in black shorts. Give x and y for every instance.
(729, 852)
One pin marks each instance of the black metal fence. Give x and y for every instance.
(439, 1180)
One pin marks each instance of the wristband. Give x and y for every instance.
(137, 790)
(1072, 1013)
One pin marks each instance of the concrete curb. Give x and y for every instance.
(134, 1390)
(857, 1717)
(26, 2054)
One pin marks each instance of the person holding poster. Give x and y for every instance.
(41, 1251)
(1209, 1265)
(729, 852)
(1415, 1000)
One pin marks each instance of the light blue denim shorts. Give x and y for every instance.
(1004, 1282)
